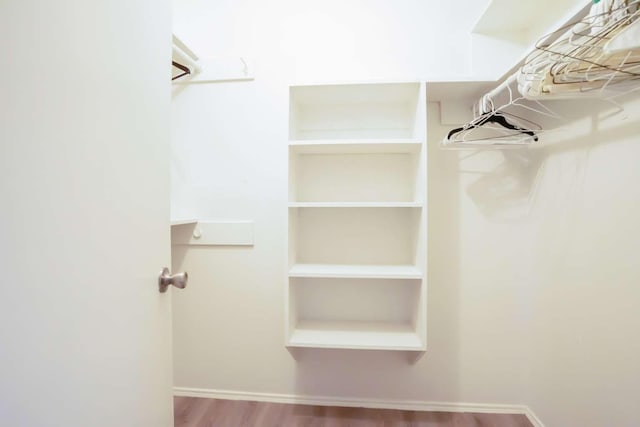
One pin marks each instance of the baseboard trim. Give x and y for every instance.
(360, 403)
(533, 418)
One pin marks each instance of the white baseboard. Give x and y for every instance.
(533, 418)
(490, 408)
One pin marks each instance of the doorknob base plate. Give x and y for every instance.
(164, 280)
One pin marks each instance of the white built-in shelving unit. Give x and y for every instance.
(357, 217)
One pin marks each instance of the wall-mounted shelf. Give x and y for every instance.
(188, 68)
(508, 30)
(356, 111)
(354, 146)
(342, 271)
(355, 173)
(509, 17)
(183, 221)
(385, 236)
(212, 233)
(355, 205)
(357, 223)
(356, 335)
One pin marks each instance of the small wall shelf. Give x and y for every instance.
(212, 233)
(183, 221)
(357, 223)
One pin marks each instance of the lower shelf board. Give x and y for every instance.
(356, 335)
(356, 271)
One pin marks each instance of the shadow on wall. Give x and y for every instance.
(506, 192)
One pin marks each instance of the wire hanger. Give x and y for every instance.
(493, 117)
(500, 125)
(578, 64)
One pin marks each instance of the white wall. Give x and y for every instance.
(334, 40)
(531, 254)
(230, 156)
(585, 335)
(573, 208)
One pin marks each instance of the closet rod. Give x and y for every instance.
(488, 97)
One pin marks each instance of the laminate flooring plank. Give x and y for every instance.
(429, 419)
(270, 415)
(218, 413)
(239, 413)
(467, 419)
(189, 410)
(249, 410)
(198, 412)
(514, 420)
(306, 416)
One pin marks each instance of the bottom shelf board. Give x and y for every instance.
(355, 335)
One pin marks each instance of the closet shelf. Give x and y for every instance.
(356, 204)
(509, 17)
(357, 217)
(355, 146)
(183, 221)
(355, 335)
(344, 271)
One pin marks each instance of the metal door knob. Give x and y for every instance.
(166, 278)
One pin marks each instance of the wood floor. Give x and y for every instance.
(196, 412)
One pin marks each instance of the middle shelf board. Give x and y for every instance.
(356, 204)
(342, 271)
(356, 146)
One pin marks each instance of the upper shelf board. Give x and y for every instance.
(355, 111)
(354, 93)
